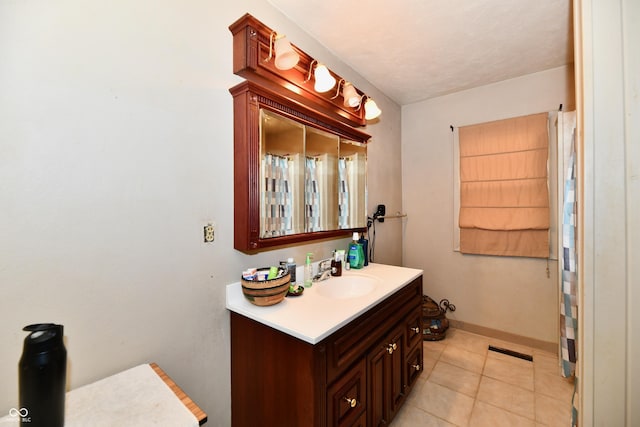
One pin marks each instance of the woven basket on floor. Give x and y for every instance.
(434, 318)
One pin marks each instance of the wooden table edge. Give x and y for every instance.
(200, 415)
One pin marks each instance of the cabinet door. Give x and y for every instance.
(377, 382)
(346, 398)
(397, 372)
(386, 377)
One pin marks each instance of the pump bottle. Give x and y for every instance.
(355, 253)
(308, 271)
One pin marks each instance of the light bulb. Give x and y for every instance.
(286, 57)
(324, 80)
(351, 97)
(371, 110)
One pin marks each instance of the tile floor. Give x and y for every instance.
(464, 384)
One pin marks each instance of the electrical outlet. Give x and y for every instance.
(209, 233)
(380, 212)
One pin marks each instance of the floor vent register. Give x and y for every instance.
(511, 353)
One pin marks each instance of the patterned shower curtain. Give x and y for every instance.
(569, 293)
(569, 303)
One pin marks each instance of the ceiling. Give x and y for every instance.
(414, 50)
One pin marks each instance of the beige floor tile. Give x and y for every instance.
(485, 415)
(416, 393)
(544, 363)
(508, 391)
(552, 412)
(455, 378)
(513, 373)
(444, 403)
(433, 349)
(506, 396)
(546, 353)
(427, 366)
(467, 341)
(411, 416)
(554, 386)
(468, 360)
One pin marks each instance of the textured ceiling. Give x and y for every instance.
(419, 49)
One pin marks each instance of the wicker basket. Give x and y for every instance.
(267, 292)
(434, 319)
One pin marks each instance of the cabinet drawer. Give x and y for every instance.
(414, 328)
(414, 366)
(346, 398)
(354, 339)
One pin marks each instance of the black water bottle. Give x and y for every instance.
(42, 376)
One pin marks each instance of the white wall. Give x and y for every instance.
(608, 86)
(513, 295)
(115, 150)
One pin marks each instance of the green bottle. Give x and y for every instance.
(308, 271)
(356, 253)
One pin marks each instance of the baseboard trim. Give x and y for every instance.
(505, 336)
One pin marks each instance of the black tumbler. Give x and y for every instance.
(42, 376)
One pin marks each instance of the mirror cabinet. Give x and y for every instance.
(299, 174)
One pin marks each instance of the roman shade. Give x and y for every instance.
(504, 196)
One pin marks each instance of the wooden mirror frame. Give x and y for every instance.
(286, 93)
(248, 99)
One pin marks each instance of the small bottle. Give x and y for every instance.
(308, 271)
(290, 265)
(336, 265)
(356, 254)
(365, 249)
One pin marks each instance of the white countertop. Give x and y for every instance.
(135, 397)
(312, 316)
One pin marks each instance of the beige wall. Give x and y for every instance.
(115, 150)
(512, 295)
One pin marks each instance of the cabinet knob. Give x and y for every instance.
(416, 367)
(416, 329)
(352, 402)
(391, 348)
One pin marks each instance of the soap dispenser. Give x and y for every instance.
(308, 271)
(355, 254)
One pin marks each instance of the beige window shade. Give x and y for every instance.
(504, 196)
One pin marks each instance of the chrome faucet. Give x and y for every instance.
(324, 270)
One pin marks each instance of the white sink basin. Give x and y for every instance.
(347, 286)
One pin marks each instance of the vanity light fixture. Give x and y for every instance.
(338, 90)
(286, 56)
(351, 97)
(324, 80)
(349, 93)
(371, 109)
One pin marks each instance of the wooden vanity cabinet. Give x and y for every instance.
(358, 376)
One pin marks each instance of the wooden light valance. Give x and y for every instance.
(251, 60)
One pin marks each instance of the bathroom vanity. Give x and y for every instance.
(345, 353)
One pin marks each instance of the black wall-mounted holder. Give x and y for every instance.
(380, 212)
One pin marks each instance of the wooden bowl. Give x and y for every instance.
(267, 292)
